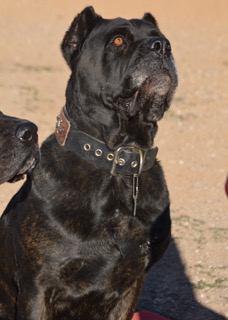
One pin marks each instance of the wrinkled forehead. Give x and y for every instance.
(137, 27)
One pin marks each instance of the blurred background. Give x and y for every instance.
(191, 281)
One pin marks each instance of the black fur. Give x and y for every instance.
(18, 148)
(70, 246)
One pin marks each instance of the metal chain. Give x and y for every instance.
(135, 192)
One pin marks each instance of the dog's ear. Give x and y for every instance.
(148, 17)
(81, 26)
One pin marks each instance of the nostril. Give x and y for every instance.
(159, 45)
(156, 46)
(167, 47)
(27, 132)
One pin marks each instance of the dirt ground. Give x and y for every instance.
(191, 281)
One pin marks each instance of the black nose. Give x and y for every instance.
(27, 132)
(159, 45)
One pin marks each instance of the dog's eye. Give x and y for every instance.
(118, 41)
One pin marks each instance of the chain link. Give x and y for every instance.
(135, 192)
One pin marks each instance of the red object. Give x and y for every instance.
(147, 315)
(226, 186)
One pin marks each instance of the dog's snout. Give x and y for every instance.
(159, 45)
(27, 132)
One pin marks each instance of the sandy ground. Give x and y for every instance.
(192, 279)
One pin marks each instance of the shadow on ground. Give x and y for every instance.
(169, 292)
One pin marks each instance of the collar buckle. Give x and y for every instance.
(120, 161)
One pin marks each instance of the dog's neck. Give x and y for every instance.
(125, 160)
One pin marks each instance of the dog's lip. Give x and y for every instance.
(29, 164)
(128, 94)
(140, 86)
(159, 83)
(148, 85)
(128, 104)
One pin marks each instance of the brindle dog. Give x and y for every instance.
(18, 148)
(80, 235)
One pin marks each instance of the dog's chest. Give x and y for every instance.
(110, 260)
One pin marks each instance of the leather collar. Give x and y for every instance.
(125, 160)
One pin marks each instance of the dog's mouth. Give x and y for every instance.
(151, 98)
(28, 166)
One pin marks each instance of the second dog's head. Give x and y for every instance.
(123, 77)
(19, 152)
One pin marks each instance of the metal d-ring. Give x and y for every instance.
(116, 159)
(141, 159)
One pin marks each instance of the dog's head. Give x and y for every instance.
(123, 77)
(19, 151)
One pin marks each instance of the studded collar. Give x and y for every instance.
(125, 160)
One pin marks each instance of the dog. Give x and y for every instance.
(80, 235)
(19, 148)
